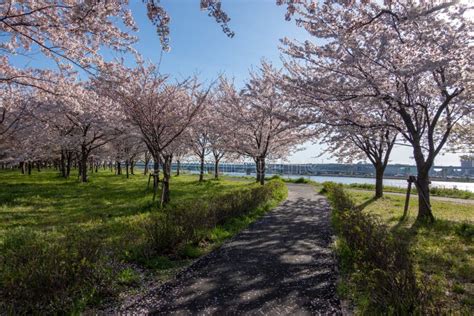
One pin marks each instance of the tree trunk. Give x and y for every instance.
(147, 162)
(424, 206)
(379, 171)
(257, 169)
(126, 168)
(22, 167)
(62, 164)
(119, 167)
(165, 192)
(38, 166)
(29, 167)
(132, 166)
(178, 167)
(68, 163)
(145, 171)
(216, 169)
(83, 163)
(423, 167)
(260, 165)
(201, 170)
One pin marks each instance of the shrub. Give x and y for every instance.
(43, 274)
(339, 199)
(162, 235)
(377, 266)
(301, 180)
(190, 222)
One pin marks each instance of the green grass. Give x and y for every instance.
(117, 214)
(46, 201)
(443, 252)
(452, 193)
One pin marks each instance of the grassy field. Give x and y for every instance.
(48, 202)
(441, 192)
(443, 252)
(89, 237)
(452, 193)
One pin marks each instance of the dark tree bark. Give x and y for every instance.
(423, 165)
(119, 167)
(379, 172)
(165, 192)
(201, 169)
(127, 165)
(178, 167)
(83, 163)
(147, 162)
(216, 169)
(68, 163)
(132, 166)
(260, 166)
(30, 166)
(218, 155)
(62, 164)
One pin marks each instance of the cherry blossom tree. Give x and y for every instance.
(93, 118)
(160, 18)
(412, 59)
(350, 143)
(160, 110)
(258, 117)
(69, 32)
(198, 139)
(219, 134)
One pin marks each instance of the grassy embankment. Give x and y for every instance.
(442, 192)
(390, 265)
(66, 245)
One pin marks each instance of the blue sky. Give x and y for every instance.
(198, 46)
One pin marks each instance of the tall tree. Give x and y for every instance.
(160, 110)
(412, 59)
(259, 119)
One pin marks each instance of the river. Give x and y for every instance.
(468, 186)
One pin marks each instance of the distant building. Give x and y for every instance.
(467, 161)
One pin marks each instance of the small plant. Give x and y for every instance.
(190, 251)
(128, 277)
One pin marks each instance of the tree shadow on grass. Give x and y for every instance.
(364, 204)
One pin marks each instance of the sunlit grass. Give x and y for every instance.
(48, 202)
(443, 252)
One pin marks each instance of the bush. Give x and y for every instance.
(339, 199)
(43, 274)
(377, 266)
(190, 222)
(301, 180)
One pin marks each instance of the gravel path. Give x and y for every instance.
(280, 265)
